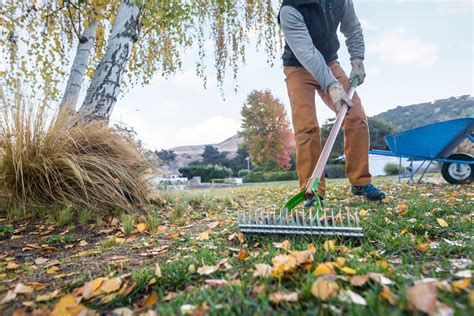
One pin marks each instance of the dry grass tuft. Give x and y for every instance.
(46, 157)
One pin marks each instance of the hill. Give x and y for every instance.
(402, 118)
(407, 117)
(186, 154)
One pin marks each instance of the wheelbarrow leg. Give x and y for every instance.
(426, 169)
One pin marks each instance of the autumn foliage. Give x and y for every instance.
(266, 130)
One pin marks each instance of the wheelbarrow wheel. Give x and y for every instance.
(458, 173)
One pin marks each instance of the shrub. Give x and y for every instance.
(217, 180)
(47, 158)
(391, 169)
(262, 176)
(243, 172)
(335, 171)
(206, 172)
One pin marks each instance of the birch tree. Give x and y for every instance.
(134, 41)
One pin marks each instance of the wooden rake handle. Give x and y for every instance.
(323, 159)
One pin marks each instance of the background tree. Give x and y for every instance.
(166, 155)
(212, 156)
(266, 130)
(132, 39)
(239, 162)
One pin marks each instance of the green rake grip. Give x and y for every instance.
(300, 197)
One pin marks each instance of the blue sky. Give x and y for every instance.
(416, 51)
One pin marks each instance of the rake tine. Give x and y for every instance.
(311, 220)
(348, 219)
(256, 217)
(325, 219)
(341, 223)
(317, 217)
(262, 217)
(357, 219)
(281, 221)
(274, 217)
(269, 219)
(238, 217)
(286, 216)
(332, 218)
(304, 218)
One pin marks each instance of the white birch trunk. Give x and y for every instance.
(105, 85)
(78, 69)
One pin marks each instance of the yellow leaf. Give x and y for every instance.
(442, 222)
(388, 295)
(47, 296)
(403, 232)
(324, 289)
(68, 305)
(150, 300)
(141, 227)
(90, 288)
(422, 247)
(460, 285)
(282, 264)
(286, 245)
(363, 212)
(52, 270)
(329, 245)
(323, 268)
(157, 271)
(111, 285)
(12, 266)
(340, 262)
(348, 270)
(243, 255)
(311, 247)
(203, 236)
(21, 288)
(302, 257)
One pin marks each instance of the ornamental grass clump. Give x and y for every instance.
(46, 157)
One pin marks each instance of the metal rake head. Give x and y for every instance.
(300, 222)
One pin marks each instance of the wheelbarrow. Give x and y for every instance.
(434, 142)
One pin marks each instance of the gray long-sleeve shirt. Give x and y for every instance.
(298, 38)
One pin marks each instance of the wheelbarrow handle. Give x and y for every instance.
(313, 182)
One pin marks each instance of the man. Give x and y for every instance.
(310, 64)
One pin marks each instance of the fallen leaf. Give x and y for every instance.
(52, 270)
(279, 297)
(10, 296)
(111, 285)
(243, 255)
(262, 270)
(40, 261)
(68, 305)
(83, 243)
(329, 245)
(122, 311)
(47, 296)
(213, 225)
(324, 289)
(363, 212)
(12, 266)
(142, 227)
(286, 245)
(423, 297)
(170, 296)
(348, 270)
(203, 236)
(302, 257)
(206, 270)
(323, 268)
(359, 280)
(442, 222)
(422, 247)
(282, 264)
(380, 278)
(150, 300)
(192, 268)
(91, 287)
(341, 262)
(388, 295)
(216, 282)
(443, 310)
(21, 288)
(354, 297)
(311, 247)
(157, 270)
(460, 285)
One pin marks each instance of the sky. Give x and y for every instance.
(416, 51)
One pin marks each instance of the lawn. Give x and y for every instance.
(186, 256)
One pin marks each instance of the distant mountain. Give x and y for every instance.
(411, 116)
(402, 118)
(186, 154)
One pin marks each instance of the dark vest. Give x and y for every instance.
(322, 17)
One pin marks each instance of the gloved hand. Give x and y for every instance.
(357, 70)
(338, 95)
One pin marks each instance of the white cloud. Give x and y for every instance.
(401, 49)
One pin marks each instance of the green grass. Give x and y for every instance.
(394, 229)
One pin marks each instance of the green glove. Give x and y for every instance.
(338, 95)
(358, 70)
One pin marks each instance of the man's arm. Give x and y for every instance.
(298, 38)
(350, 27)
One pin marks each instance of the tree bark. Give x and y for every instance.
(78, 69)
(105, 85)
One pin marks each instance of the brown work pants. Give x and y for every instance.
(301, 90)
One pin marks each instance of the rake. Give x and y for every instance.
(291, 220)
